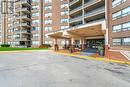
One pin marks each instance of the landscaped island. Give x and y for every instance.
(18, 49)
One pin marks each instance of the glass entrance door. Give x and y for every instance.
(94, 43)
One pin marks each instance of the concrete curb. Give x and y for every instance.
(98, 59)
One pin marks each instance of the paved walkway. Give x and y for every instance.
(49, 69)
(126, 54)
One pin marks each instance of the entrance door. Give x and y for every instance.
(94, 43)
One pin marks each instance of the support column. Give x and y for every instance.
(82, 43)
(56, 47)
(72, 44)
(65, 44)
(106, 44)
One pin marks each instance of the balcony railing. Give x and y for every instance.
(22, 31)
(95, 12)
(22, 24)
(23, 2)
(23, 9)
(78, 18)
(72, 2)
(76, 9)
(23, 16)
(91, 2)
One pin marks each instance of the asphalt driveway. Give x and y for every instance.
(48, 69)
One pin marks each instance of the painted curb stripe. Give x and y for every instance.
(97, 58)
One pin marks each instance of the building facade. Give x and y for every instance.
(97, 21)
(119, 24)
(30, 20)
(83, 23)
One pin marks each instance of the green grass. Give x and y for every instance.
(18, 49)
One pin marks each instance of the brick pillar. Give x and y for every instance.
(106, 51)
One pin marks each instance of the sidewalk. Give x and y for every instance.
(93, 57)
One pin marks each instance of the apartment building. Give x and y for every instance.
(119, 24)
(48, 16)
(97, 21)
(87, 24)
(27, 22)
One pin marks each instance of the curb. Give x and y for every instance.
(97, 58)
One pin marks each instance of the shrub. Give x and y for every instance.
(5, 45)
(45, 46)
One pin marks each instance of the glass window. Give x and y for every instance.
(65, 20)
(48, 15)
(117, 2)
(116, 41)
(126, 26)
(48, 1)
(126, 41)
(48, 21)
(126, 11)
(122, 13)
(64, 6)
(48, 28)
(116, 28)
(64, 27)
(48, 7)
(116, 15)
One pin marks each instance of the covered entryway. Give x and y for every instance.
(84, 37)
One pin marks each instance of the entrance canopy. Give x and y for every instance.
(96, 28)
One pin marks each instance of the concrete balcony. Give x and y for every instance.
(22, 32)
(73, 2)
(23, 10)
(25, 39)
(22, 39)
(27, 2)
(91, 2)
(95, 12)
(22, 25)
(79, 18)
(23, 17)
(76, 10)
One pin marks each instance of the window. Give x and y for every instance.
(64, 20)
(116, 41)
(116, 15)
(48, 7)
(48, 28)
(126, 11)
(126, 26)
(64, 27)
(35, 7)
(35, 35)
(35, 42)
(35, 22)
(117, 2)
(48, 21)
(35, 14)
(65, 13)
(48, 15)
(122, 13)
(35, 28)
(121, 27)
(64, 6)
(48, 1)
(126, 41)
(116, 28)
(35, 1)
(48, 42)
